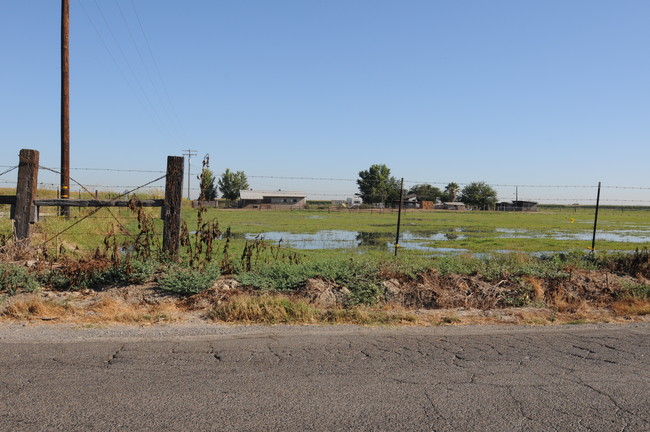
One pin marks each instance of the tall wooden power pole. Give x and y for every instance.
(65, 105)
(189, 153)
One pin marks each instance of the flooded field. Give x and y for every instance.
(452, 241)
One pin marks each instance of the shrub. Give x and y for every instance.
(503, 266)
(96, 274)
(360, 276)
(187, 280)
(15, 278)
(638, 290)
(636, 263)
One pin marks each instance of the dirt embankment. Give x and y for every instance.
(431, 299)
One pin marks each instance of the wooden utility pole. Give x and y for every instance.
(172, 206)
(25, 193)
(65, 105)
(189, 153)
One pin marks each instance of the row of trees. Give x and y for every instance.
(376, 185)
(229, 183)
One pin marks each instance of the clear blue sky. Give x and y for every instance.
(508, 92)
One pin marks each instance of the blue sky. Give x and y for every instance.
(507, 92)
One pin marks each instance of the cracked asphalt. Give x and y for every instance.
(254, 378)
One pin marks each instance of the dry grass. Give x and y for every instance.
(280, 309)
(108, 309)
(33, 307)
(101, 309)
(269, 309)
(631, 306)
(538, 289)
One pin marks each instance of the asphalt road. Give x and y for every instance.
(226, 378)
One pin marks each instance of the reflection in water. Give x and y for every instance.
(372, 239)
(421, 240)
(625, 236)
(341, 239)
(326, 239)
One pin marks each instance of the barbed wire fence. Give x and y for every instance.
(347, 187)
(120, 221)
(329, 192)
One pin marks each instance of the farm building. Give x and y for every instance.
(270, 199)
(410, 201)
(454, 206)
(526, 206)
(354, 202)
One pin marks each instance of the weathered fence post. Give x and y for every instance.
(25, 192)
(172, 206)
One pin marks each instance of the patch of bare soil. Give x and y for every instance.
(432, 299)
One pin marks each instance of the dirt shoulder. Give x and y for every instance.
(431, 300)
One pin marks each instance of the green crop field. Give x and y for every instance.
(556, 229)
(318, 232)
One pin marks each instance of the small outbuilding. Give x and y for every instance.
(272, 199)
(454, 206)
(526, 206)
(410, 201)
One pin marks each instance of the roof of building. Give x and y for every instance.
(259, 194)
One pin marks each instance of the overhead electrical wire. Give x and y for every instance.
(128, 64)
(162, 103)
(162, 81)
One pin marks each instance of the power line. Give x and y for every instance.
(144, 64)
(118, 170)
(160, 125)
(301, 178)
(155, 63)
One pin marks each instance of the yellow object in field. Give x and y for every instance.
(572, 220)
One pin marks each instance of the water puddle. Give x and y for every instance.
(624, 236)
(421, 240)
(342, 239)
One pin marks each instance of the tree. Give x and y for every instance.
(480, 195)
(230, 183)
(451, 192)
(377, 186)
(208, 191)
(426, 192)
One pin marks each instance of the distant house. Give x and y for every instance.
(454, 206)
(354, 202)
(410, 201)
(527, 206)
(271, 199)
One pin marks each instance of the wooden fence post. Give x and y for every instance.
(172, 206)
(25, 192)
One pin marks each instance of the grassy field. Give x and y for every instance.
(564, 229)
(317, 232)
(445, 263)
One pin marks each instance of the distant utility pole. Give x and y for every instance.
(65, 105)
(189, 153)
